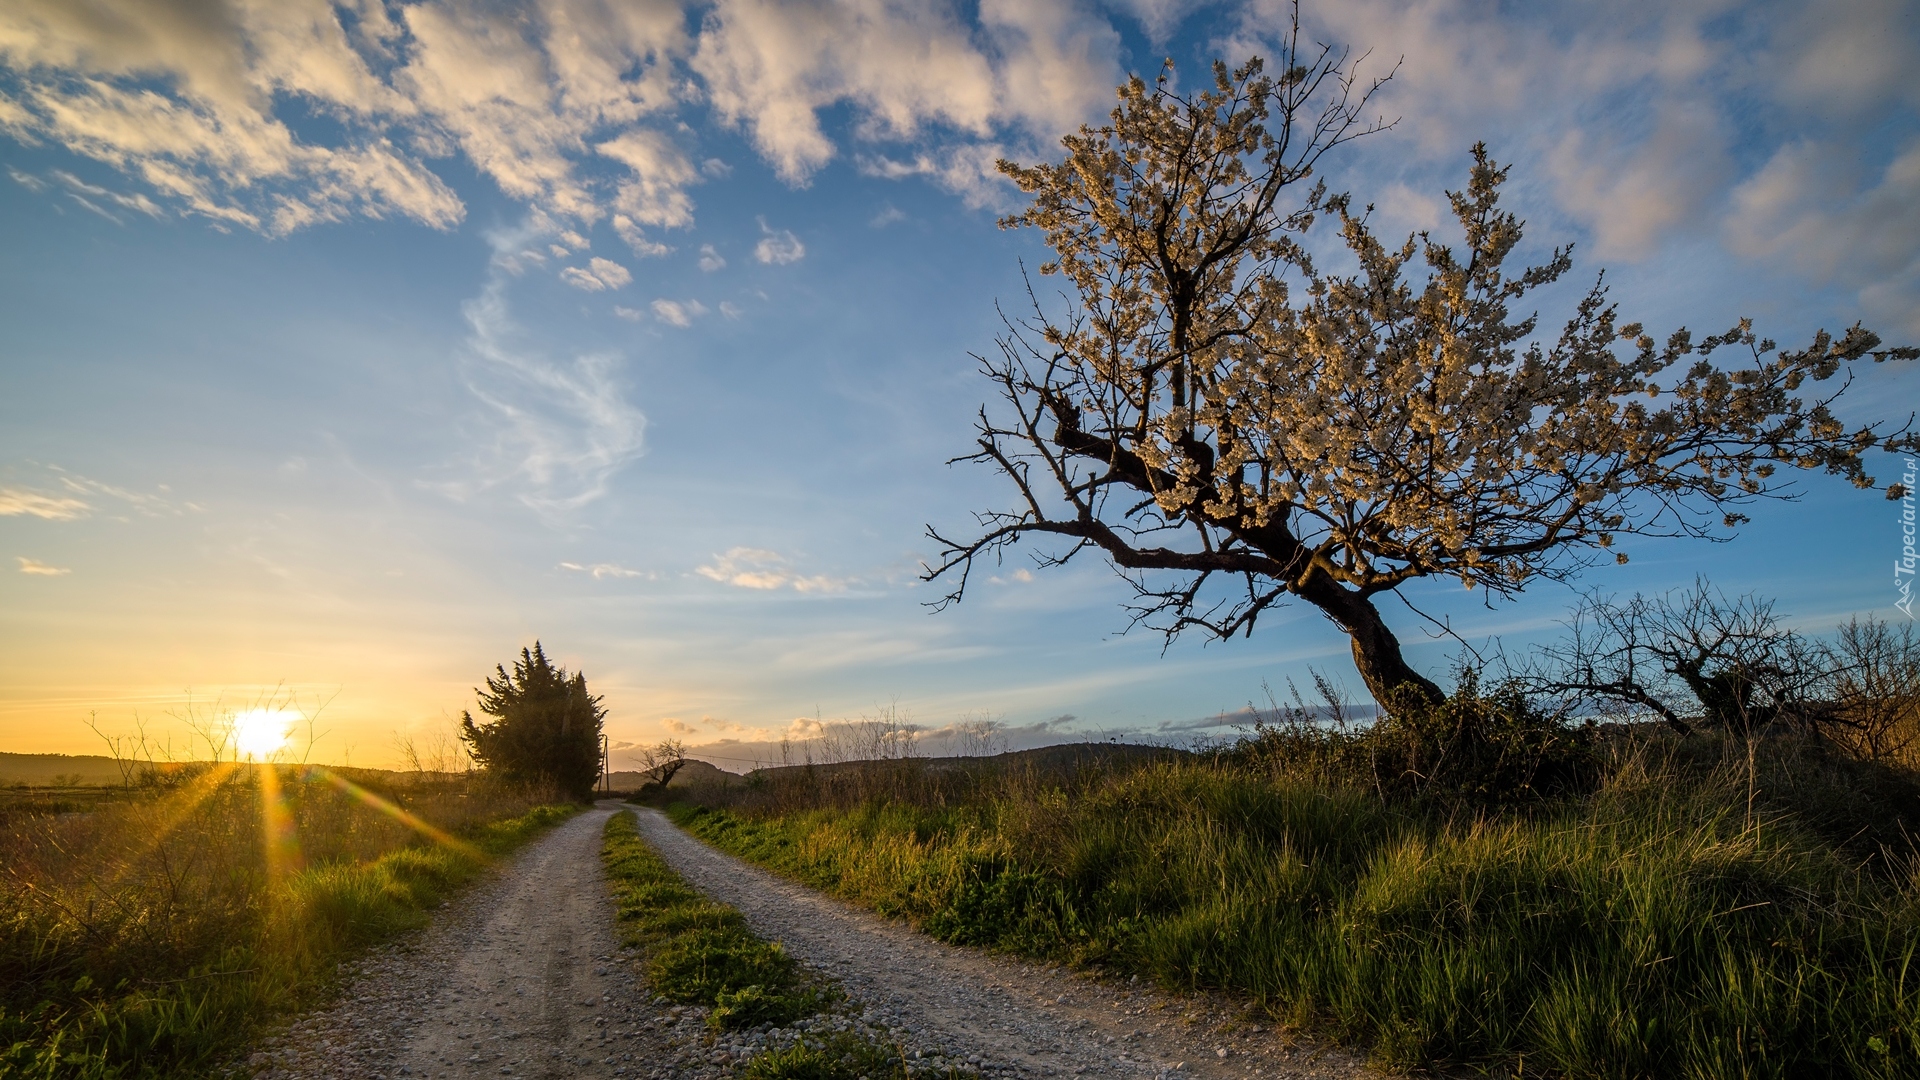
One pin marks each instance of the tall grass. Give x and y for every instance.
(153, 936)
(1704, 908)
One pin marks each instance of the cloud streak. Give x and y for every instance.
(763, 570)
(18, 501)
(559, 429)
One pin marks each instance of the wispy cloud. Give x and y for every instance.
(604, 570)
(17, 501)
(598, 274)
(561, 429)
(758, 568)
(40, 569)
(778, 247)
(679, 313)
(710, 259)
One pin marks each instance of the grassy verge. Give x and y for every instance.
(701, 953)
(1670, 921)
(155, 937)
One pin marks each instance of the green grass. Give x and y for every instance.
(158, 936)
(1671, 921)
(699, 952)
(837, 1057)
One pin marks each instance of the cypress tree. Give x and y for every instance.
(546, 726)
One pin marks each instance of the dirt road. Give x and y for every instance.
(519, 977)
(1015, 1016)
(522, 977)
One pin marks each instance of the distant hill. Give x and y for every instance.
(69, 769)
(1064, 758)
(693, 773)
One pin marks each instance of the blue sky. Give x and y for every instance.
(347, 348)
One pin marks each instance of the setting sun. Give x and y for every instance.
(260, 733)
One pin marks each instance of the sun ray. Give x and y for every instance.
(279, 840)
(397, 813)
(168, 811)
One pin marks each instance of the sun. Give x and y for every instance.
(260, 733)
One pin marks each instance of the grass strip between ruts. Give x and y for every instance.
(698, 952)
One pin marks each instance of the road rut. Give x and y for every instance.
(522, 976)
(1019, 1018)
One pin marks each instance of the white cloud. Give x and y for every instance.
(1846, 57)
(1642, 118)
(615, 275)
(655, 194)
(16, 501)
(40, 569)
(710, 259)
(185, 97)
(627, 313)
(599, 274)
(637, 239)
(1633, 198)
(758, 568)
(730, 309)
(581, 279)
(778, 247)
(606, 570)
(887, 216)
(969, 171)
(679, 313)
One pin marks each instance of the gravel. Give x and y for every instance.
(522, 976)
(997, 1016)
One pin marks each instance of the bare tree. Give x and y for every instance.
(1876, 689)
(1689, 656)
(660, 761)
(1230, 425)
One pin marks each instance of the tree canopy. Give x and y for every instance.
(546, 726)
(1231, 423)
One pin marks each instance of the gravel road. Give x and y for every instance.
(522, 976)
(1018, 1018)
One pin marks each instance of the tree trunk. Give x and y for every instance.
(1376, 652)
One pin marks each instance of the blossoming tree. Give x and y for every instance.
(1230, 423)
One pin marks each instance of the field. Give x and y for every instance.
(153, 930)
(1649, 905)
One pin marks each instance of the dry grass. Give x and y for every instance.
(152, 935)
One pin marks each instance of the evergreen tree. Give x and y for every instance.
(546, 727)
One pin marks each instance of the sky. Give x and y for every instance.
(348, 348)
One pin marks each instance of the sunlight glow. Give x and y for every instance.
(261, 733)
